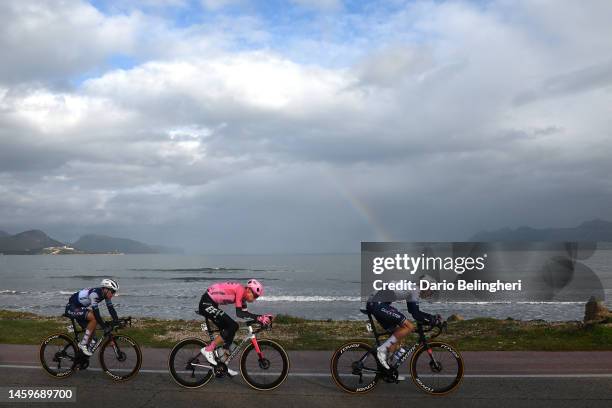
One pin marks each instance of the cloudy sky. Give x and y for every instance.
(237, 126)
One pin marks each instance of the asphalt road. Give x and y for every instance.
(502, 379)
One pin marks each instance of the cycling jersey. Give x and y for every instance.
(226, 293)
(88, 299)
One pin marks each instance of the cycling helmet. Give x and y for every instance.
(256, 287)
(431, 280)
(110, 284)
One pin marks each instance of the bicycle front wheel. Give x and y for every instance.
(188, 367)
(58, 355)
(267, 369)
(120, 357)
(354, 367)
(438, 369)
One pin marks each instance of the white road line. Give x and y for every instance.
(328, 375)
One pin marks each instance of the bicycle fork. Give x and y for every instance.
(264, 363)
(435, 365)
(121, 356)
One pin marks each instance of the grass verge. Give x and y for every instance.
(301, 334)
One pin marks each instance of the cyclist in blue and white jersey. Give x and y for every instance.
(83, 307)
(391, 319)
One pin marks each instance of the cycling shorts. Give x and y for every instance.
(78, 313)
(388, 316)
(226, 324)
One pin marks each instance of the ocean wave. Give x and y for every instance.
(12, 292)
(509, 302)
(310, 299)
(208, 278)
(163, 278)
(342, 280)
(158, 296)
(205, 269)
(81, 277)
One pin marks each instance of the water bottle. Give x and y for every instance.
(223, 353)
(397, 356)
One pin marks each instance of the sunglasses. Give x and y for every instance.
(255, 295)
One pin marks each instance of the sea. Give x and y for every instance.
(314, 286)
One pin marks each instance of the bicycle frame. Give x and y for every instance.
(251, 337)
(377, 335)
(76, 330)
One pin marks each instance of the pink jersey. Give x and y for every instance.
(226, 293)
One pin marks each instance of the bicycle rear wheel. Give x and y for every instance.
(188, 367)
(268, 370)
(120, 357)
(437, 370)
(58, 355)
(354, 367)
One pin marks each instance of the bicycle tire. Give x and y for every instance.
(421, 367)
(342, 372)
(173, 363)
(126, 344)
(251, 374)
(69, 352)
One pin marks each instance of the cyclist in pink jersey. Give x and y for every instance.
(224, 294)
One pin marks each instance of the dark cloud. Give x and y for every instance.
(422, 132)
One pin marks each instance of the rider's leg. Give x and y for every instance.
(389, 317)
(90, 328)
(402, 331)
(215, 343)
(227, 326)
(228, 330)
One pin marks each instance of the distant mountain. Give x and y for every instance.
(105, 244)
(28, 242)
(595, 230)
(4, 234)
(160, 249)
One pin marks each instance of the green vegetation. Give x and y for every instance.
(302, 334)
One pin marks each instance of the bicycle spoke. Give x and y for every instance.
(57, 355)
(120, 358)
(188, 366)
(354, 368)
(439, 372)
(265, 371)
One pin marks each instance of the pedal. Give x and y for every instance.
(220, 370)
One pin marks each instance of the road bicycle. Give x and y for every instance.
(264, 364)
(436, 367)
(120, 356)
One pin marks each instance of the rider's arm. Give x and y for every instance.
(243, 313)
(97, 315)
(418, 315)
(111, 309)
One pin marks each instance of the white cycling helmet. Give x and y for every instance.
(110, 284)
